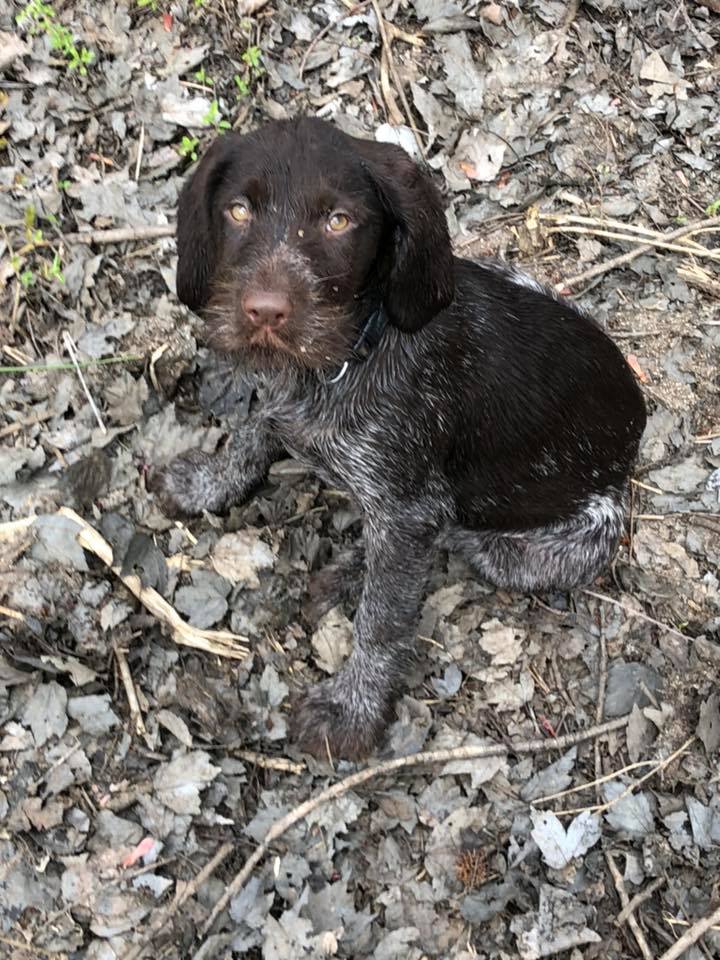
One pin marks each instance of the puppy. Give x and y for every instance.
(463, 405)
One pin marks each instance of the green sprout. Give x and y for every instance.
(53, 271)
(201, 76)
(213, 118)
(188, 147)
(713, 210)
(252, 58)
(41, 20)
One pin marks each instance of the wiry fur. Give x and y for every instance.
(503, 424)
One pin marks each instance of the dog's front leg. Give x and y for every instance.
(197, 481)
(348, 714)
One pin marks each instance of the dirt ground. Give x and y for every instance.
(137, 773)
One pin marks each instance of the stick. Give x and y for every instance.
(122, 234)
(625, 900)
(594, 783)
(164, 917)
(697, 250)
(72, 351)
(325, 30)
(602, 807)
(387, 50)
(634, 613)
(625, 258)
(639, 898)
(563, 219)
(601, 688)
(133, 703)
(691, 936)
(336, 790)
(269, 763)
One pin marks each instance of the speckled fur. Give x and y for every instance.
(503, 424)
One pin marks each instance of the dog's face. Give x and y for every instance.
(290, 236)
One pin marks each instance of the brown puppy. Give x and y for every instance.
(462, 404)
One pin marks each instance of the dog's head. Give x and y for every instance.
(288, 237)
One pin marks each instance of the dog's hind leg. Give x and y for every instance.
(560, 556)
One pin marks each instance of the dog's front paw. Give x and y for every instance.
(188, 485)
(331, 720)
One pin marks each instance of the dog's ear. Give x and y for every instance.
(197, 232)
(418, 276)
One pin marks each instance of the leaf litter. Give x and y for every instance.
(597, 111)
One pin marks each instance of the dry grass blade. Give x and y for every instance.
(691, 936)
(625, 258)
(657, 768)
(696, 249)
(707, 282)
(220, 642)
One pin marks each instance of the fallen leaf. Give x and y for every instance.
(140, 851)
(560, 846)
(634, 365)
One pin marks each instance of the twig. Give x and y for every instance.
(269, 763)
(691, 936)
(601, 688)
(122, 234)
(141, 144)
(640, 898)
(397, 80)
(282, 825)
(31, 421)
(72, 350)
(605, 223)
(165, 916)
(12, 614)
(625, 900)
(678, 922)
(634, 613)
(127, 680)
(593, 783)
(697, 250)
(324, 32)
(695, 274)
(631, 255)
(42, 367)
(602, 807)
(646, 486)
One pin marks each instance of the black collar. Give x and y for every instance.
(370, 336)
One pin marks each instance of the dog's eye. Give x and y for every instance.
(240, 212)
(337, 222)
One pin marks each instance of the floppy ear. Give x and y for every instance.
(418, 280)
(197, 235)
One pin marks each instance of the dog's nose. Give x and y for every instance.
(266, 308)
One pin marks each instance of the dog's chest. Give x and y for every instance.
(339, 448)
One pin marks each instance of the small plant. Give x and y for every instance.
(41, 19)
(34, 241)
(203, 77)
(713, 210)
(213, 118)
(252, 58)
(188, 147)
(147, 3)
